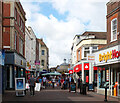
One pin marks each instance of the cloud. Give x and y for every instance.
(58, 34)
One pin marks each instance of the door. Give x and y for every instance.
(118, 79)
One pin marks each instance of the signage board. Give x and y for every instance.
(70, 71)
(86, 66)
(0, 57)
(37, 62)
(107, 56)
(19, 83)
(91, 57)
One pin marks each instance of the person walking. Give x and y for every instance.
(40, 81)
(53, 81)
(62, 81)
(32, 85)
(44, 81)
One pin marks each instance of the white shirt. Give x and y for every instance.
(44, 79)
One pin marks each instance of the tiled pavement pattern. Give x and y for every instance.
(56, 94)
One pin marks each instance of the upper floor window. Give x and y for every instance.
(15, 14)
(86, 51)
(94, 48)
(43, 52)
(21, 46)
(78, 55)
(15, 40)
(19, 20)
(114, 29)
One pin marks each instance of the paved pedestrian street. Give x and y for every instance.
(56, 95)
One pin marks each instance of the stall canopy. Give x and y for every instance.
(52, 73)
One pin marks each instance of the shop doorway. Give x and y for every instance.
(118, 78)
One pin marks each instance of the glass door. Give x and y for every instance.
(118, 78)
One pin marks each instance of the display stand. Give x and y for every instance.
(20, 86)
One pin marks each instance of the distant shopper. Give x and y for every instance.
(62, 81)
(53, 82)
(79, 82)
(32, 85)
(44, 81)
(40, 81)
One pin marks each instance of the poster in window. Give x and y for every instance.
(107, 75)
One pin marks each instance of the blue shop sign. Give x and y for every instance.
(0, 57)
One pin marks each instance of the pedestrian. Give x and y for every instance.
(40, 81)
(62, 81)
(32, 85)
(79, 82)
(53, 81)
(44, 81)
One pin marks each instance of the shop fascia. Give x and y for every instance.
(109, 55)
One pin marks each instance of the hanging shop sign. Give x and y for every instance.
(78, 68)
(37, 62)
(91, 57)
(70, 71)
(86, 66)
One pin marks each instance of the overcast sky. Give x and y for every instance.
(58, 21)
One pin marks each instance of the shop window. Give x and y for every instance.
(114, 29)
(103, 78)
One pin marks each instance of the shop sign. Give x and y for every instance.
(33, 66)
(37, 62)
(86, 66)
(70, 71)
(0, 57)
(91, 57)
(109, 55)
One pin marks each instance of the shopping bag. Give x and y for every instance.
(37, 87)
(27, 86)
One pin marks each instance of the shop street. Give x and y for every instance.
(56, 95)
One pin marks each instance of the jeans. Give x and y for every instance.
(32, 91)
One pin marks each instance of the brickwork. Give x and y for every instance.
(12, 24)
(113, 11)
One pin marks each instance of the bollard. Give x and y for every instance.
(105, 94)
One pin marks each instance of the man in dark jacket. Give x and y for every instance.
(32, 85)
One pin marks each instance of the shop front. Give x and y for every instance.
(108, 64)
(86, 71)
(15, 66)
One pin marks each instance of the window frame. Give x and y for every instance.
(112, 30)
(43, 53)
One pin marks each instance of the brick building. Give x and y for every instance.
(88, 43)
(13, 42)
(108, 58)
